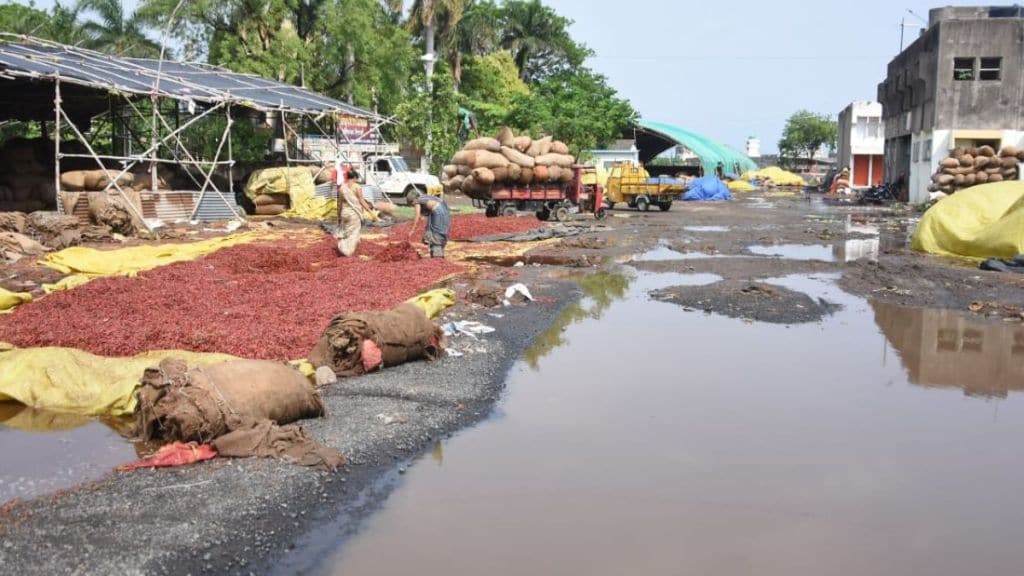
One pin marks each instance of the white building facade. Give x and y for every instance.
(861, 144)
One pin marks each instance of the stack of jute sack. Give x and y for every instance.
(967, 167)
(508, 160)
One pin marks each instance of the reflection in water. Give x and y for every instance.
(945, 349)
(794, 251)
(21, 417)
(600, 290)
(437, 453)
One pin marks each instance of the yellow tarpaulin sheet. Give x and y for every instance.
(70, 381)
(777, 175)
(8, 300)
(85, 264)
(297, 183)
(435, 301)
(739, 186)
(315, 208)
(981, 222)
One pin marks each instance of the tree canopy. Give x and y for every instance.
(512, 62)
(805, 134)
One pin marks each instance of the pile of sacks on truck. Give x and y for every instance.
(508, 160)
(966, 167)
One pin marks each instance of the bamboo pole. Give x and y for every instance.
(57, 105)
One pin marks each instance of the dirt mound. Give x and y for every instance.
(749, 301)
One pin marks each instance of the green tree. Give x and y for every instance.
(429, 19)
(806, 133)
(539, 39)
(60, 24)
(490, 87)
(577, 107)
(116, 31)
(477, 34)
(414, 113)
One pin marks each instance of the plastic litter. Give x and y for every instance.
(514, 289)
(466, 327)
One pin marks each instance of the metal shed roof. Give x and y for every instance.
(653, 138)
(32, 58)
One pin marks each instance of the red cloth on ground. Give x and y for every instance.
(372, 355)
(172, 455)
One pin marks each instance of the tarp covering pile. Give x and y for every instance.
(707, 189)
(775, 175)
(8, 299)
(300, 187)
(360, 342)
(980, 222)
(243, 408)
(85, 264)
(70, 381)
(740, 186)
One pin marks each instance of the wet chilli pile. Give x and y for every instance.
(260, 301)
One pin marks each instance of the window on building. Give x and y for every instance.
(915, 153)
(991, 69)
(963, 69)
(926, 151)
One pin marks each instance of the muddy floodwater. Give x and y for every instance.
(638, 437)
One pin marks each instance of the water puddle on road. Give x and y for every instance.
(642, 439)
(706, 228)
(44, 452)
(820, 252)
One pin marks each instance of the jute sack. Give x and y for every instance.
(485, 159)
(270, 199)
(505, 137)
(402, 334)
(484, 176)
(270, 209)
(558, 147)
(489, 144)
(516, 157)
(522, 143)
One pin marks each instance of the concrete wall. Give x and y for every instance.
(924, 106)
(861, 133)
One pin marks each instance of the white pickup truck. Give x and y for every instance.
(391, 175)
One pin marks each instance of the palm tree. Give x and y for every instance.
(116, 31)
(478, 33)
(539, 39)
(425, 15)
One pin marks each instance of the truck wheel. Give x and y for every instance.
(411, 194)
(491, 211)
(543, 215)
(610, 205)
(561, 214)
(665, 206)
(508, 210)
(642, 204)
(601, 214)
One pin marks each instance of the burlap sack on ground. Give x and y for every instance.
(264, 439)
(240, 406)
(111, 211)
(55, 231)
(12, 221)
(270, 210)
(403, 334)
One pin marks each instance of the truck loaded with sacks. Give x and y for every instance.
(506, 174)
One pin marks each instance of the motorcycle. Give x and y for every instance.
(878, 195)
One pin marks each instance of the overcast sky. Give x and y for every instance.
(735, 69)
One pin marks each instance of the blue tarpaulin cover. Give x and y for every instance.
(707, 189)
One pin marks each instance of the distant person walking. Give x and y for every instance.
(439, 222)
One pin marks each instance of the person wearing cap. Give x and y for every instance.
(351, 207)
(438, 223)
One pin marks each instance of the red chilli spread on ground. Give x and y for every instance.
(262, 301)
(468, 226)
